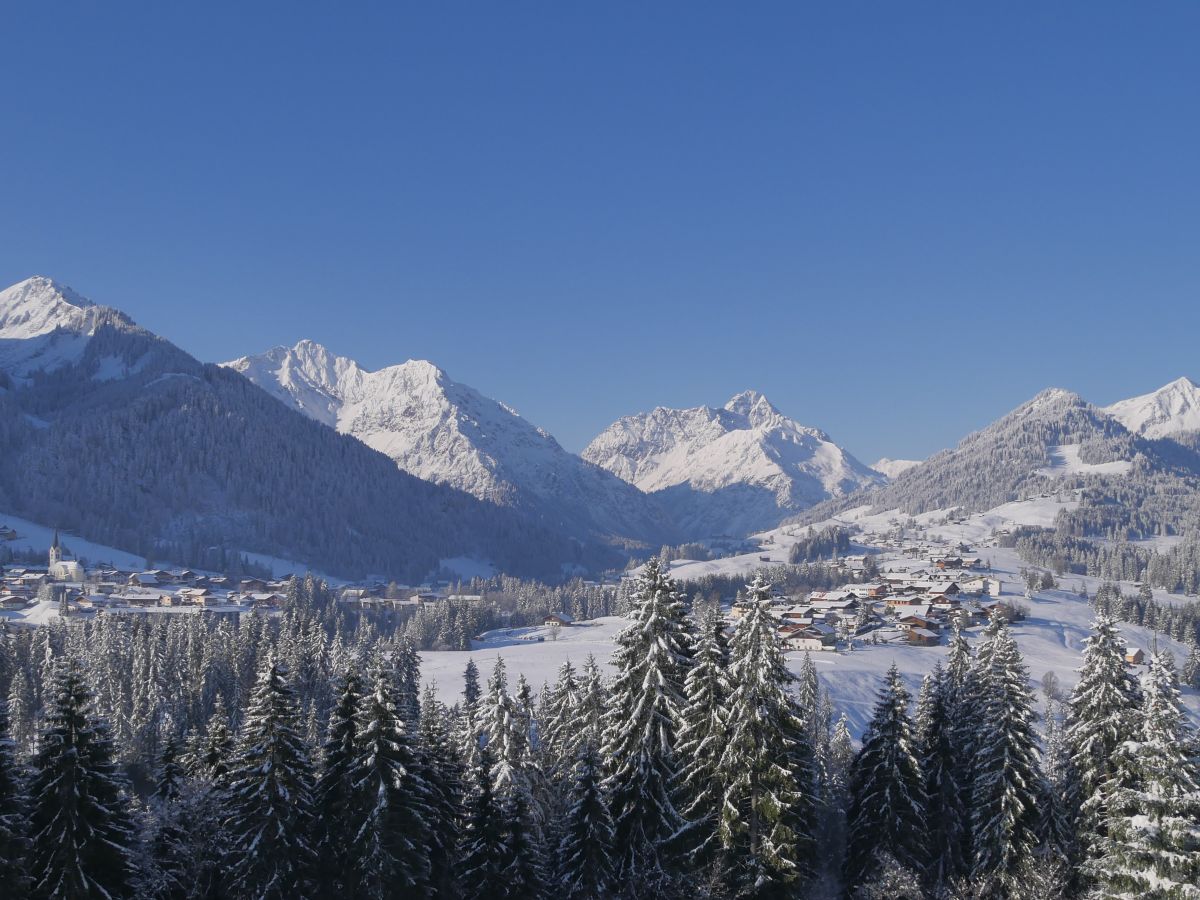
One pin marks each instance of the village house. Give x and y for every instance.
(922, 637)
(811, 637)
(558, 618)
(1134, 656)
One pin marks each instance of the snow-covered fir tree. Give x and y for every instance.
(1008, 781)
(269, 808)
(585, 851)
(1103, 715)
(765, 768)
(334, 795)
(702, 738)
(14, 816)
(651, 659)
(483, 852)
(443, 772)
(390, 799)
(81, 827)
(1151, 845)
(945, 814)
(887, 807)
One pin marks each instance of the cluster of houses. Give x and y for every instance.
(76, 590)
(915, 604)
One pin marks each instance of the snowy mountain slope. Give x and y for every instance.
(893, 468)
(734, 470)
(1171, 410)
(448, 433)
(1055, 439)
(126, 440)
(45, 325)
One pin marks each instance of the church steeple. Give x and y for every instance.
(55, 550)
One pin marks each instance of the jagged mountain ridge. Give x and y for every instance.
(446, 432)
(124, 438)
(1171, 410)
(735, 469)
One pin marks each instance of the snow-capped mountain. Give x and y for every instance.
(119, 436)
(893, 468)
(449, 433)
(740, 468)
(45, 325)
(1171, 410)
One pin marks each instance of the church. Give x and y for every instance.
(63, 565)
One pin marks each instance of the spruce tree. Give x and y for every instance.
(651, 658)
(937, 740)
(1008, 780)
(887, 806)
(80, 823)
(334, 794)
(702, 736)
(1103, 715)
(1151, 847)
(14, 816)
(765, 767)
(269, 805)
(585, 869)
(390, 799)
(483, 851)
(173, 854)
(444, 779)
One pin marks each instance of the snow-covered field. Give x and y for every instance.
(1051, 637)
(523, 654)
(1066, 461)
(31, 536)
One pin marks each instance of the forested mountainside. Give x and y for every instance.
(113, 432)
(1056, 439)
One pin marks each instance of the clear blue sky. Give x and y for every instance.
(898, 220)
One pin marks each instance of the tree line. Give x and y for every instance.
(314, 766)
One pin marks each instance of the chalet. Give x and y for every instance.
(252, 586)
(558, 618)
(191, 594)
(922, 637)
(943, 589)
(266, 600)
(910, 622)
(812, 637)
(980, 585)
(144, 579)
(1134, 656)
(7, 533)
(796, 613)
(13, 601)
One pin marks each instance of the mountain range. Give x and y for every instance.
(448, 433)
(299, 453)
(114, 433)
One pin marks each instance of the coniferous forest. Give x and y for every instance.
(301, 755)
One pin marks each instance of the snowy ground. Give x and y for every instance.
(523, 653)
(31, 536)
(1065, 461)
(1051, 637)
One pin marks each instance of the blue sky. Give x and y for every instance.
(896, 220)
